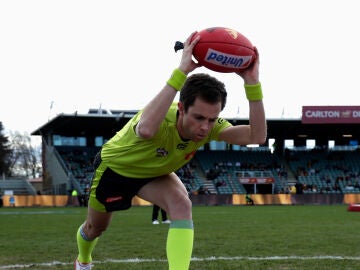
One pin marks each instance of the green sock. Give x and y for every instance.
(179, 244)
(85, 246)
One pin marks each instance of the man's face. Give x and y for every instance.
(196, 123)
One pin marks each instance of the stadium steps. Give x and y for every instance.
(210, 186)
(291, 178)
(201, 175)
(18, 187)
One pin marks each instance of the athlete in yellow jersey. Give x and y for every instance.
(142, 157)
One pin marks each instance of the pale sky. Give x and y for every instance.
(85, 54)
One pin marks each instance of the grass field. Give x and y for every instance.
(226, 237)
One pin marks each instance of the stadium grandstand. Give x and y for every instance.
(317, 153)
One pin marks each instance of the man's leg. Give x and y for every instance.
(89, 232)
(179, 244)
(163, 215)
(170, 194)
(155, 212)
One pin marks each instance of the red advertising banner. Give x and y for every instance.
(256, 180)
(330, 114)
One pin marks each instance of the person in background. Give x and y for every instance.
(75, 197)
(299, 187)
(155, 215)
(12, 201)
(248, 199)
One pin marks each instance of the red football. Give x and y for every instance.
(223, 49)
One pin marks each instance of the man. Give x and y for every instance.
(75, 198)
(142, 157)
(248, 199)
(155, 215)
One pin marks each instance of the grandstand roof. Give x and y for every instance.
(106, 123)
(91, 124)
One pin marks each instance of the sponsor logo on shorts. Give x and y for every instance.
(114, 199)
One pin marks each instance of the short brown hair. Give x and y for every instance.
(205, 87)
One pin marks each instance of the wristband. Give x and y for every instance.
(253, 92)
(177, 79)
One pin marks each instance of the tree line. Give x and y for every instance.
(18, 157)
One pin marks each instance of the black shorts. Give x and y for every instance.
(113, 190)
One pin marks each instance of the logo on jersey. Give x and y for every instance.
(161, 152)
(190, 155)
(182, 146)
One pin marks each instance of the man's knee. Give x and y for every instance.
(93, 231)
(181, 208)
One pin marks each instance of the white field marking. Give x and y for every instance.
(213, 258)
(38, 212)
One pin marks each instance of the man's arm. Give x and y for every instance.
(155, 111)
(256, 131)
